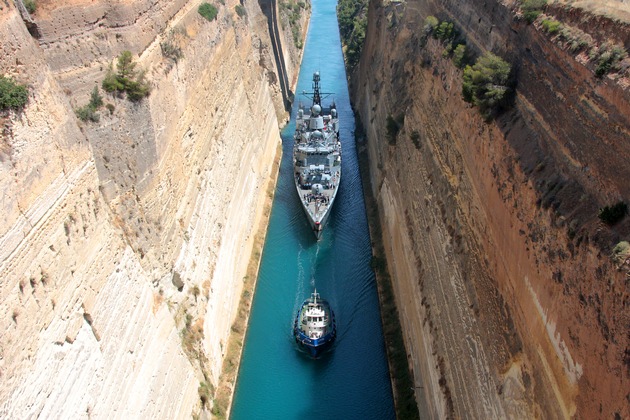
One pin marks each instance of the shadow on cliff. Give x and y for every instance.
(269, 9)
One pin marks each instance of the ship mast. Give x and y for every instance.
(316, 95)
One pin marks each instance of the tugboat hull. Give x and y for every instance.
(314, 348)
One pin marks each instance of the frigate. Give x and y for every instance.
(314, 327)
(317, 157)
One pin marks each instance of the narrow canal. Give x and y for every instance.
(275, 380)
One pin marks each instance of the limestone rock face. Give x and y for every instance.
(99, 218)
(511, 303)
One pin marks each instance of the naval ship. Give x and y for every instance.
(317, 157)
(314, 327)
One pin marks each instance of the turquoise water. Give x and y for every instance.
(276, 380)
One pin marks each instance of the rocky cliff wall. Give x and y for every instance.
(124, 242)
(510, 301)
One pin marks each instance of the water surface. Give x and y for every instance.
(276, 381)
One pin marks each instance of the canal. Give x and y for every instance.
(275, 380)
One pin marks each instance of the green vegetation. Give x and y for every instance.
(31, 5)
(486, 83)
(12, 95)
(240, 10)
(208, 11)
(352, 17)
(291, 11)
(444, 31)
(96, 100)
(460, 55)
(532, 9)
(450, 37)
(430, 23)
(88, 112)
(608, 58)
(126, 79)
(613, 214)
(551, 26)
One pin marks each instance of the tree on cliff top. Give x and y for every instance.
(126, 79)
(486, 83)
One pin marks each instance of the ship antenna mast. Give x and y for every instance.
(317, 100)
(316, 95)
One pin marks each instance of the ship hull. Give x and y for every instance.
(314, 348)
(317, 225)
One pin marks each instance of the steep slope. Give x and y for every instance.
(510, 301)
(124, 242)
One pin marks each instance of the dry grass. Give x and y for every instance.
(158, 298)
(611, 9)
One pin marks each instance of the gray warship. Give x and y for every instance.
(317, 157)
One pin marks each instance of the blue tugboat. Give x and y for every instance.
(315, 328)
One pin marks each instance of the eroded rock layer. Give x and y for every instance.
(124, 242)
(511, 303)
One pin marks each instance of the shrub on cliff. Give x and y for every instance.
(88, 112)
(171, 51)
(486, 83)
(208, 11)
(12, 95)
(444, 31)
(240, 10)
(430, 23)
(460, 55)
(126, 79)
(575, 39)
(613, 214)
(532, 9)
(31, 6)
(608, 58)
(551, 26)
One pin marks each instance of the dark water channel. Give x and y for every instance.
(276, 381)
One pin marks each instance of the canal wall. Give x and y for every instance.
(124, 241)
(511, 299)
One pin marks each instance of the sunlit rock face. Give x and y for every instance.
(124, 242)
(512, 301)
